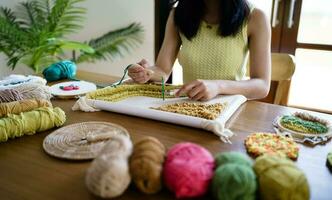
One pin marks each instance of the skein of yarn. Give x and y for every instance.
(108, 176)
(9, 95)
(279, 178)
(25, 105)
(34, 91)
(60, 70)
(188, 170)
(146, 164)
(234, 177)
(29, 123)
(14, 80)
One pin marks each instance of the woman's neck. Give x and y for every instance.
(212, 11)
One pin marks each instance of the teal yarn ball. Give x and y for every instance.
(65, 69)
(234, 178)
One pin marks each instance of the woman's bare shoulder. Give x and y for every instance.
(257, 21)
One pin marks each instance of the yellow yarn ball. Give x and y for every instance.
(280, 179)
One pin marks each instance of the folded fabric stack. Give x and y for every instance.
(25, 107)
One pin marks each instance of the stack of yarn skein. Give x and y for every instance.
(25, 107)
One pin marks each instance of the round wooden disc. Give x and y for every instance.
(69, 142)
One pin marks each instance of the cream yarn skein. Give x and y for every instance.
(108, 175)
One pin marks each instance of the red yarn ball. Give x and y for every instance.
(188, 170)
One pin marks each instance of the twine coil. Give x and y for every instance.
(81, 141)
(146, 164)
(29, 123)
(108, 176)
(17, 107)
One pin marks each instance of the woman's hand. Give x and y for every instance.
(199, 90)
(139, 72)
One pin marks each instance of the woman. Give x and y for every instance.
(211, 39)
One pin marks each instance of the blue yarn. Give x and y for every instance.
(65, 69)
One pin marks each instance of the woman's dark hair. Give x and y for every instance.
(189, 13)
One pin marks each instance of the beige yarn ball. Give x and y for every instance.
(108, 175)
(146, 164)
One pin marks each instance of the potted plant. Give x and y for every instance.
(35, 35)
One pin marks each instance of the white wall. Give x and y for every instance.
(103, 16)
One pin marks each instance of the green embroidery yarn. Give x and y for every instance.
(304, 126)
(234, 177)
(280, 179)
(28, 123)
(329, 160)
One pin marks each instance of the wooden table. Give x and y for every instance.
(27, 172)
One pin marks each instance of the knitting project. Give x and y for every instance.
(121, 92)
(206, 111)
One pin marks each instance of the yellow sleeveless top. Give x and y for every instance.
(211, 56)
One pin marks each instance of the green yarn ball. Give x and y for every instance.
(280, 179)
(232, 157)
(234, 177)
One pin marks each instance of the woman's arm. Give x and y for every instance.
(142, 72)
(258, 86)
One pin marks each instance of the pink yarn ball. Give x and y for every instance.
(188, 170)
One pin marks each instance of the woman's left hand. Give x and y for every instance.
(199, 90)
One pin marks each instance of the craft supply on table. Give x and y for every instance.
(9, 95)
(15, 80)
(329, 160)
(304, 127)
(270, 143)
(108, 176)
(234, 177)
(280, 179)
(188, 170)
(202, 110)
(81, 141)
(72, 89)
(65, 69)
(69, 87)
(34, 91)
(16, 107)
(140, 105)
(146, 165)
(121, 92)
(28, 123)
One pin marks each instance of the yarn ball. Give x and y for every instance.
(108, 176)
(188, 170)
(279, 178)
(232, 157)
(60, 70)
(9, 95)
(234, 177)
(146, 164)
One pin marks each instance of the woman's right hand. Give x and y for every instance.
(139, 72)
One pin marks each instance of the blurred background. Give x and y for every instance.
(302, 28)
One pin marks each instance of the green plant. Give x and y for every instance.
(35, 35)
